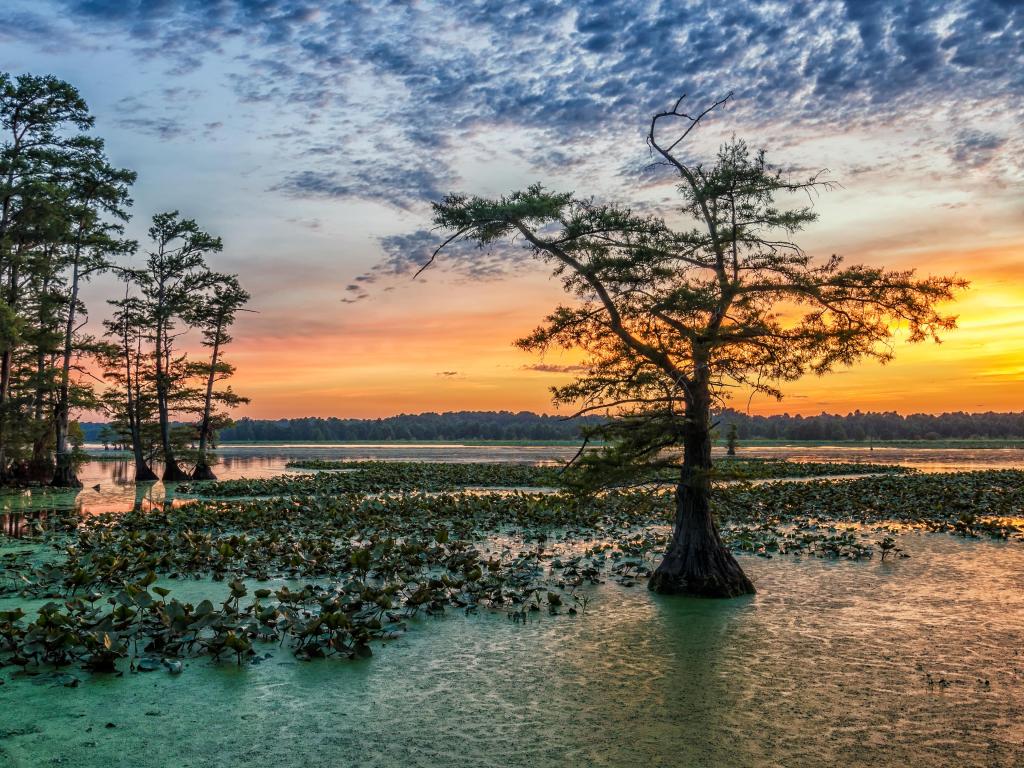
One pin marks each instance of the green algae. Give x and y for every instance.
(869, 662)
(827, 665)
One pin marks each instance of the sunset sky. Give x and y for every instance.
(312, 136)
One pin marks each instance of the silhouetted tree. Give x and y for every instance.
(42, 120)
(97, 201)
(215, 316)
(131, 400)
(671, 317)
(171, 287)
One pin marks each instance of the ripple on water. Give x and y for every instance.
(831, 663)
(117, 493)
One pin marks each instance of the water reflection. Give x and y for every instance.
(908, 662)
(21, 517)
(109, 487)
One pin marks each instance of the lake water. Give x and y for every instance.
(916, 662)
(117, 492)
(907, 662)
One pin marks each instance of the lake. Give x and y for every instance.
(913, 662)
(118, 493)
(908, 662)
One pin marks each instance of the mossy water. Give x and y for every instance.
(908, 661)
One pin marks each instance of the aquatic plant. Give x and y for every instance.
(369, 564)
(340, 477)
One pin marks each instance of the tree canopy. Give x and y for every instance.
(675, 315)
(63, 209)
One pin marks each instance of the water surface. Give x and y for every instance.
(117, 492)
(909, 662)
(913, 662)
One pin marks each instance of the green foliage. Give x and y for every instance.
(370, 564)
(342, 477)
(673, 317)
(63, 207)
(505, 426)
(153, 382)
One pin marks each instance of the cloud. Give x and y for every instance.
(35, 28)
(419, 76)
(406, 254)
(976, 149)
(393, 184)
(162, 127)
(168, 120)
(552, 368)
(376, 102)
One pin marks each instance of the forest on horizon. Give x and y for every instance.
(525, 425)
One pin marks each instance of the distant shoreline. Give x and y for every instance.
(979, 444)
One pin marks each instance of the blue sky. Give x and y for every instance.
(312, 137)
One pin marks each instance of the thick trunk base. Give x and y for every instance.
(203, 472)
(697, 562)
(65, 477)
(703, 571)
(143, 473)
(39, 471)
(174, 474)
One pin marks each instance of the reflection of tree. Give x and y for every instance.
(141, 492)
(27, 515)
(119, 472)
(18, 525)
(168, 504)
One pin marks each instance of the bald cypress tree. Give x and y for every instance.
(128, 367)
(171, 288)
(215, 315)
(672, 316)
(42, 125)
(96, 202)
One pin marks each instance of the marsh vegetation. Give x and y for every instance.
(380, 544)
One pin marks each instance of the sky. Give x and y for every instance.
(312, 136)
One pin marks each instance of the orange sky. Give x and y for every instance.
(446, 344)
(444, 341)
(312, 141)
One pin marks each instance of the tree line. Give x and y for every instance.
(525, 425)
(63, 211)
(456, 425)
(875, 426)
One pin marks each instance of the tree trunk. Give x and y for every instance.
(172, 472)
(143, 472)
(697, 562)
(65, 476)
(5, 379)
(202, 471)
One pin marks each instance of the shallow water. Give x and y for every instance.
(828, 664)
(117, 492)
(923, 459)
(831, 663)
